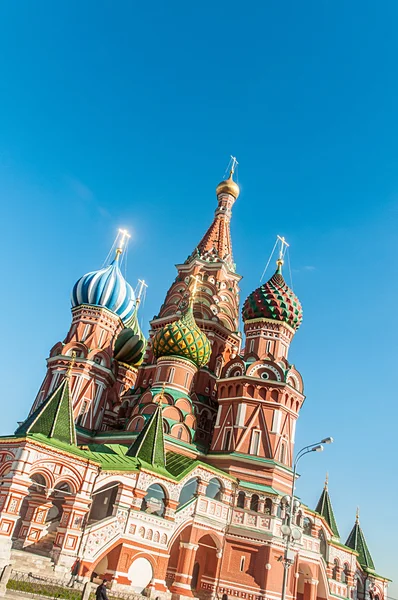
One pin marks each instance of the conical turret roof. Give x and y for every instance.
(54, 417)
(325, 509)
(149, 445)
(356, 541)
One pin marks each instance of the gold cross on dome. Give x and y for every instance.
(283, 244)
(71, 364)
(196, 279)
(143, 286)
(159, 399)
(124, 235)
(233, 164)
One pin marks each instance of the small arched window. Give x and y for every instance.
(322, 544)
(254, 503)
(188, 491)
(214, 489)
(345, 573)
(307, 526)
(283, 453)
(299, 518)
(154, 501)
(240, 503)
(268, 506)
(335, 572)
(170, 377)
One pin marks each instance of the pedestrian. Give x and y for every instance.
(74, 573)
(100, 592)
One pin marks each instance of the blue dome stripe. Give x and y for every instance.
(106, 287)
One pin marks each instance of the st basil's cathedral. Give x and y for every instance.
(166, 464)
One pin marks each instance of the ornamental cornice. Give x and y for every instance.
(54, 452)
(274, 323)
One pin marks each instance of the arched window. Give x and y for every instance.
(179, 433)
(214, 489)
(154, 501)
(322, 544)
(240, 503)
(268, 506)
(254, 503)
(299, 518)
(188, 491)
(307, 526)
(345, 573)
(170, 376)
(283, 453)
(335, 572)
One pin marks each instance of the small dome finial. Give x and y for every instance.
(327, 481)
(229, 186)
(357, 516)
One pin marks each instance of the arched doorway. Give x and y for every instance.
(206, 563)
(140, 574)
(195, 576)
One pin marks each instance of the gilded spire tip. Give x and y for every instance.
(327, 481)
(357, 516)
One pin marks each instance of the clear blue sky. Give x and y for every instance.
(125, 114)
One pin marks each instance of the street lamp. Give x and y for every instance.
(289, 533)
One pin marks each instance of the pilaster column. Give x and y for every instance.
(261, 506)
(183, 577)
(310, 589)
(170, 509)
(70, 531)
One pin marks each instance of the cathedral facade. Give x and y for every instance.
(166, 465)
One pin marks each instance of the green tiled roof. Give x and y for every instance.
(325, 509)
(177, 464)
(149, 445)
(266, 489)
(53, 418)
(356, 541)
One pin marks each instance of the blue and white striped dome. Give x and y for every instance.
(106, 287)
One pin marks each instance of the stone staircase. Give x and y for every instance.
(27, 562)
(35, 558)
(43, 546)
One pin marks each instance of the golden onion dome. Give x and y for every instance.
(183, 338)
(228, 186)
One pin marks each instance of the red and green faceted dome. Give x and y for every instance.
(183, 338)
(274, 300)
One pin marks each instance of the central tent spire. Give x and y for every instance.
(216, 242)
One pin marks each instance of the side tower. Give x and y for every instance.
(261, 393)
(102, 349)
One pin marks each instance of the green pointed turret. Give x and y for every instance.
(54, 417)
(325, 509)
(149, 445)
(356, 541)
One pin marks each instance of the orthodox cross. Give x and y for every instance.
(357, 515)
(326, 481)
(233, 164)
(160, 397)
(283, 244)
(196, 279)
(143, 286)
(71, 364)
(124, 235)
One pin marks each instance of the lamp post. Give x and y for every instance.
(290, 535)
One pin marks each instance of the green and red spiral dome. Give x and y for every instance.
(274, 300)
